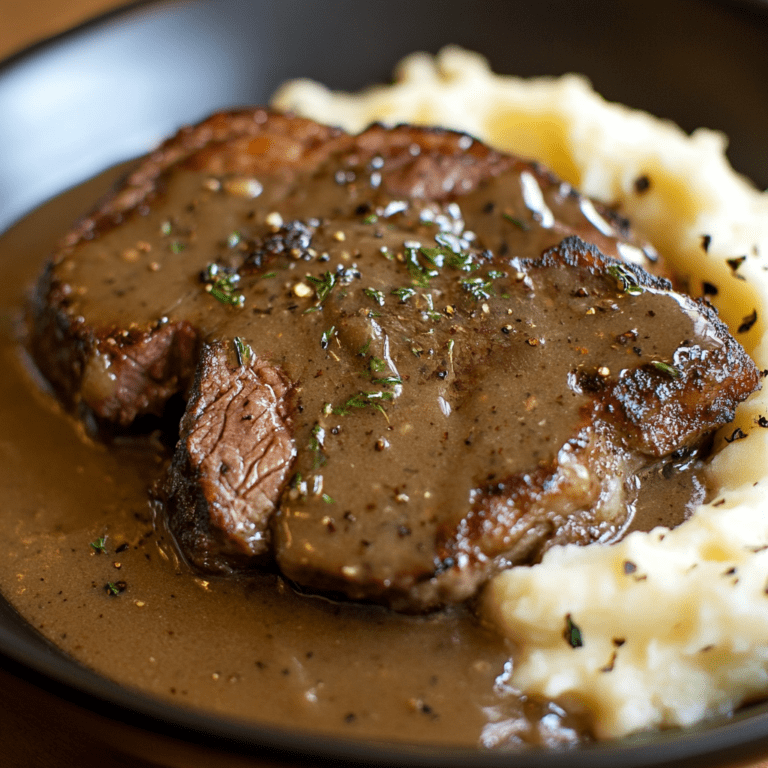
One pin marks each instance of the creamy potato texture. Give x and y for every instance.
(668, 627)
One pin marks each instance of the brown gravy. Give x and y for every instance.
(250, 647)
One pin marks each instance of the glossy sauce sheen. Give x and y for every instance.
(248, 646)
(434, 361)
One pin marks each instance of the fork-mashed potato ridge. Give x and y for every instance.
(673, 624)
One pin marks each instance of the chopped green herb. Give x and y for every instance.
(364, 400)
(669, 370)
(430, 311)
(626, 279)
(479, 288)
(99, 545)
(419, 274)
(463, 261)
(114, 588)
(226, 297)
(323, 285)
(519, 223)
(377, 296)
(327, 499)
(268, 275)
(325, 339)
(436, 256)
(572, 633)
(242, 350)
(495, 274)
(234, 239)
(221, 282)
(377, 365)
(316, 443)
(387, 380)
(403, 293)
(177, 246)
(371, 218)
(364, 349)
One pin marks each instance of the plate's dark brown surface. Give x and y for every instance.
(108, 91)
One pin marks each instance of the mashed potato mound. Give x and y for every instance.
(669, 627)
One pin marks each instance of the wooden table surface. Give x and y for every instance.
(22, 23)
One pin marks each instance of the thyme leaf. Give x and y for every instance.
(519, 223)
(243, 351)
(326, 337)
(323, 285)
(364, 400)
(572, 633)
(99, 546)
(377, 296)
(403, 293)
(377, 365)
(478, 288)
(626, 279)
(316, 443)
(666, 368)
(221, 283)
(114, 588)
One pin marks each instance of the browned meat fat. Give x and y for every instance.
(417, 360)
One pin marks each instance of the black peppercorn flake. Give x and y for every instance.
(735, 263)
(737, 434)
(747, 322)
(642, 184)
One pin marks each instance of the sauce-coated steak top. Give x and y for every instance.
(408, 360)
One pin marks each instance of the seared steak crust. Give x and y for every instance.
(409, 360)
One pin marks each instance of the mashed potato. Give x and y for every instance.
(668, 627)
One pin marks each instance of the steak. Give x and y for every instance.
(408, 360)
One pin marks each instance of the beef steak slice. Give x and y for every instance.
(405, 366)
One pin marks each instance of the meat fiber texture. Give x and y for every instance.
(694, 628)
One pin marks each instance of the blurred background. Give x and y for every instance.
(23, 23)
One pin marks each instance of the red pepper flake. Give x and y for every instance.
(710, 289)
(629, 567)
(747, 322)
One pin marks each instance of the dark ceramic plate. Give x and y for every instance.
(108, 91)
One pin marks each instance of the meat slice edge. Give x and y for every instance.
(234, 455)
